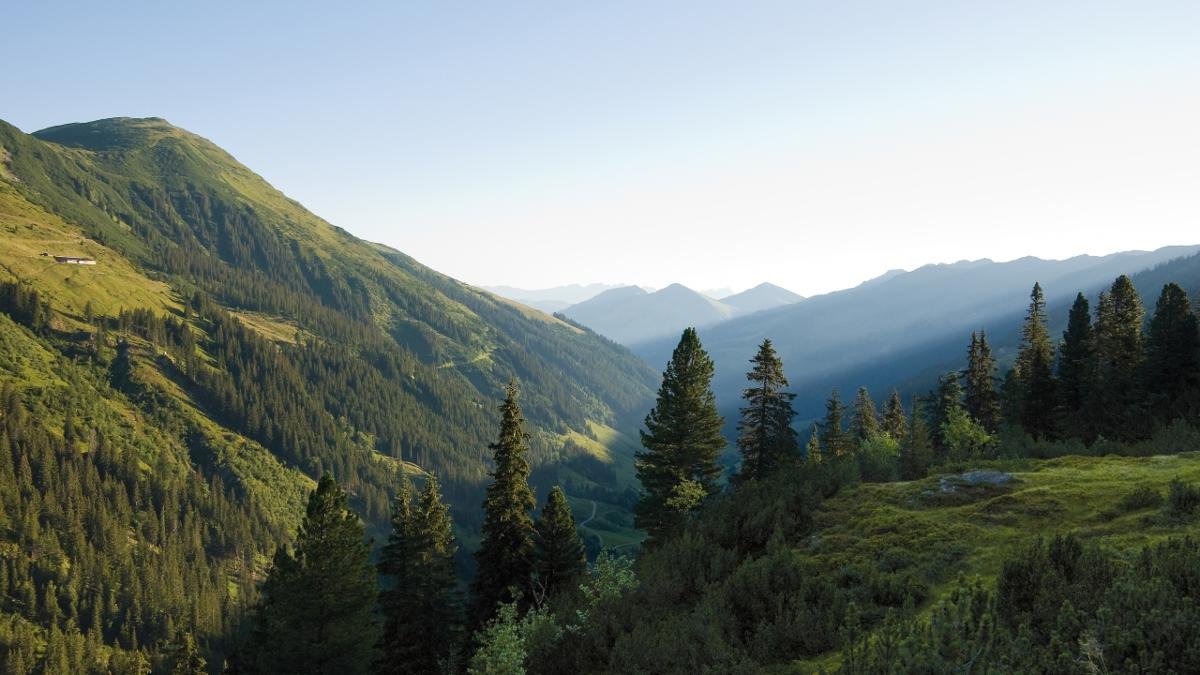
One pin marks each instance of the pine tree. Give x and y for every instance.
(812, 451)
(559, 557)
(1076, 360)
(916, 451)
(946, 401)
(982, 400)
(865, 422)
(835, 442)
(1171, 375)
(1034, 367)
(421, 609)
(505, 556)
(1115, 408)
(895, 422)
(317, 611)
(766, 438)
(682, 441)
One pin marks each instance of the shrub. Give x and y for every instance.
(879, 459)
(1182, 499)
(1142, 497)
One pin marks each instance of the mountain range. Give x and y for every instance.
(904, 329)
(554, 299)
(631, 315)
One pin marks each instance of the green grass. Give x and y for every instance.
(940, 536)
(27, 231)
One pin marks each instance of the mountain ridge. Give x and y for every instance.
(172, 215)
(880, 333)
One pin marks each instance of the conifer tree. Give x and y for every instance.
(1035, 370)
(865, 422)
(505, 555)
(812, 451)
(559, 557)
(1115, 408)
(1171, 376)
(1076, 360)
(765, 435)
(421, 609)
(916, 451)
(895, 423)
(682, 441)
(835, 441)
(317, 610)
(982, 400)
(946, 401)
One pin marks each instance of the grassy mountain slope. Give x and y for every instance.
(404, 363)
(919, 529)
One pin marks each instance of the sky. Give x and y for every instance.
(715, 144)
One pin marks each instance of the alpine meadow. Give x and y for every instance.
(640, 339)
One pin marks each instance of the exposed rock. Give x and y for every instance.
(973, 478)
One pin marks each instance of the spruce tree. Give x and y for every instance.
(865, 422)
(317, 609)
(982, 400)
(835, 442)
(421, 609)
(812, 451)
(682, 441)
(1171, 375)
(916, 450)
(895, 422)
(505, 556)
(765, 435)
(1035, 370)
(559, 557)
(1116, 399)
(1076, 360)
(946, 401)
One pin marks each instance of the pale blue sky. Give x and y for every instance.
(715, 144)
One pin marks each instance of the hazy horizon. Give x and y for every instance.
(810, 146)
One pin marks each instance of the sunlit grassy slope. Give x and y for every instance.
(167, 214)
(940, 534)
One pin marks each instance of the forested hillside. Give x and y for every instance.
(225, 350)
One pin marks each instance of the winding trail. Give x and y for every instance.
(589, 518)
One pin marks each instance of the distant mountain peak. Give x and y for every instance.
(762, 297)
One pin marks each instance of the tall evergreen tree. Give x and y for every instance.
(1115, 408)
(397, 561)
(865, 422)
(1076, 360)
(812, 451)
(916, 450)
(765, 435)
(1171, 375)
(982, 400)
(1035, 370)
(317, 610)
(559, 557)
(835, 441)
(505, 556)
(895, 422)
(682, 441)
(421, 609)
(946, 400)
